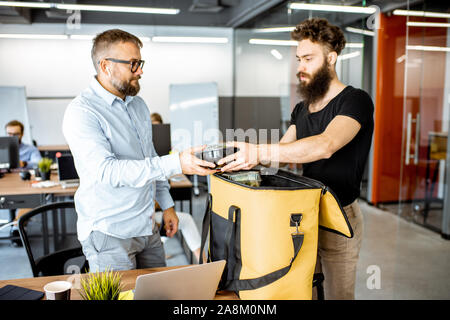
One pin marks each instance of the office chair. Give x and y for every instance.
(49, 236)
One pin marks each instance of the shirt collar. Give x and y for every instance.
(105, 94)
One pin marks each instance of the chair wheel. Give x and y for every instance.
(15, 242)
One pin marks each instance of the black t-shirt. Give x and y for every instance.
(343, 171)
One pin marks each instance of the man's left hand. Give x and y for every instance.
(170, 222)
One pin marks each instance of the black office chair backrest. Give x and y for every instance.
(49, 236)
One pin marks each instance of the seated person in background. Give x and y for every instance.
(156, 118)
(29, 155)
(188, 228)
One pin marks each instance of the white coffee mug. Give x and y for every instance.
(58, 290)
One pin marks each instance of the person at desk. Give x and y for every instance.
(29, 155)
(108, 129)
(156, 118)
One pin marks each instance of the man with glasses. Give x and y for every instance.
(109, 132)
(29, 155)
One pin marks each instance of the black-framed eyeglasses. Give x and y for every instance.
(135, 64)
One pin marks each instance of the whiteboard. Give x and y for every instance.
(13, 106)
(194, 115)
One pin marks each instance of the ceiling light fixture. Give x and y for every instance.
(190, 39)
(360, 31)
(428, 48)
(273, 30)
(276, 54)
(354, 45)
(25, 4)
(271, 42)
(427, 24)
(332, 8)
(34, 36)
(88, 7)
(427, 14)
(349, 55)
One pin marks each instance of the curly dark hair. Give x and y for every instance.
(103, 41)
(321, 31)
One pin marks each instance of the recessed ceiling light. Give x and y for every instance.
(360, 31)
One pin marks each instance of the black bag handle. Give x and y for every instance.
(205, 226)
(237, 284)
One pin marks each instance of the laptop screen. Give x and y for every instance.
(66, 168)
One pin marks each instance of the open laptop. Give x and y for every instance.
(197, 282)
(67, 173)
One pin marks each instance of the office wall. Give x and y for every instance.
(55, 71)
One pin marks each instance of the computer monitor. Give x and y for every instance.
(9, 152)
(66, 169)
(161, 138)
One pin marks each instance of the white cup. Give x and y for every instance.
(58, 290)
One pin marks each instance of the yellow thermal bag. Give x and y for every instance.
(268, 234)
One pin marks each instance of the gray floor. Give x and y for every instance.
(398, 259)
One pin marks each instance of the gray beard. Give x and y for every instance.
(126, 88)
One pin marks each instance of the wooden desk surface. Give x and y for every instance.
(12, 184)
(128, 281)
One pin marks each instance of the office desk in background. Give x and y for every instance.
(16, 193)
(128, 282)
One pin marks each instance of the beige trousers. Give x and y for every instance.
(337, 257)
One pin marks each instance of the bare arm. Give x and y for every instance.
(290, 135)
(340, 131)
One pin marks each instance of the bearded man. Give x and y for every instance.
(109, 132)
(330, 135)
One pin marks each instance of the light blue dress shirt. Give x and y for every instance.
(120, 173)
(30, 154)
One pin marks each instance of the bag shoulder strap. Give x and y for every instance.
(255, 283)
(205, 226)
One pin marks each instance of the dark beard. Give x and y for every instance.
(126, 88)
(317, 86)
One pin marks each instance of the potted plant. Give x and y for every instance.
(44, 168)
(101, 286)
